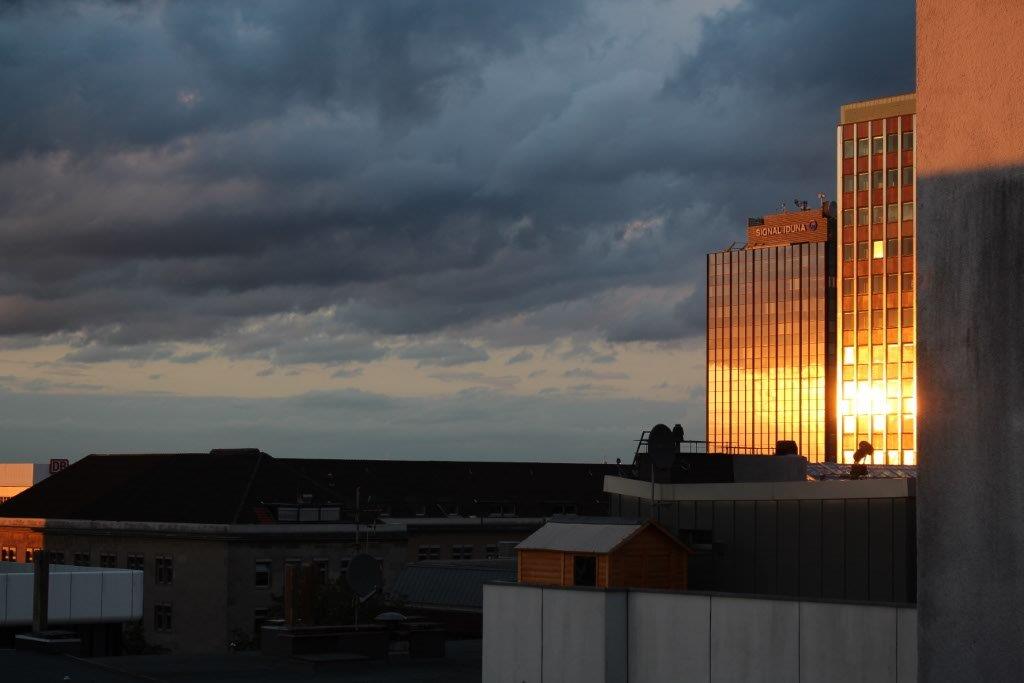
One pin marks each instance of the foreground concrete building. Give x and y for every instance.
(970, 101)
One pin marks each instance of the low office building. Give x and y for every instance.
(214, 531)
(462, 510)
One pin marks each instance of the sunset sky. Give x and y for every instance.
(395, 228)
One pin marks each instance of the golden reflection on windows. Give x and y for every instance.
(767, 349)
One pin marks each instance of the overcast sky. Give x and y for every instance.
(395, 228)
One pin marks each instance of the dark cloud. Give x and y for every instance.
(520, 357)
(296, 182)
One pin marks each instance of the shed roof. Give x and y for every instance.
(580, 538)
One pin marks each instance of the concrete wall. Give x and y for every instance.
(534, 634)
(970, 80)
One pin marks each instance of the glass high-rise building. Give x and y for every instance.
(877, 335)
(770, 337)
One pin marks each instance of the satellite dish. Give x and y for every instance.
(363, 575)
(389, 616)
(661, 446)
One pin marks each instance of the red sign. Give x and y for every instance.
(58, 464)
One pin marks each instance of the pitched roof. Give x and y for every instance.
(589, 537)
(580, 538)
(467, 487)
(219, 487)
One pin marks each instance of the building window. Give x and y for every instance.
(491, 551)
(862, 251)
(848, 149)
(428, 552)
(31, 554)
(848, 183)
(892, 212)
(863, 181)
(892, 142)
(164, 569)
(462, 552)
(892, 318)
(56, 557)
(108, 560)
(862, 216)
(891, 247)
(908, 282)
(908, 175)
(908, 210)
(847, 217)
(584, 570)
(876, 214)
(847, 286)
(862, 147)
(136, 561)
(892, 177)
(322, 566)
(847, 252)
(81, 559)
(8, 554)
(877, 144)
(162, 617)
(907, 246)
(262, 575)
(908, 140)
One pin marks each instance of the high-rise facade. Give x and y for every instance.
(876, 331)
(770, 325)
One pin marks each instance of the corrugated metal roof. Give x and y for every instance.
(448, 585)
(579, 538)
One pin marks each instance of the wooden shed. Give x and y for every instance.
(603, 554)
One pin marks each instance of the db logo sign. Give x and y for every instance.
(58, 464)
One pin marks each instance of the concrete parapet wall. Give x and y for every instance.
(534, 634)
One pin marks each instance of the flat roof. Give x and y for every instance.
(880, 108)
(831, 489)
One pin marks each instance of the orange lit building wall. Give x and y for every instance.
(876, 328)
(769, 360)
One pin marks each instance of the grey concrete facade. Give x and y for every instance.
(970, 166)
(971, 507)
(534, 634)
